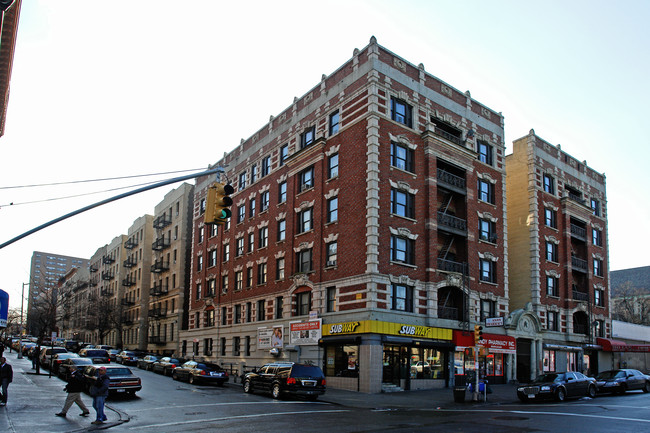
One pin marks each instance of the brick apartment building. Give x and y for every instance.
(368, 234)
(559, 272)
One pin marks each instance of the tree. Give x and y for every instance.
(43, 315)
(13, 324)
(632, 305)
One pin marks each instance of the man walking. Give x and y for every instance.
(74, 388)
(99, 392)
(6, 376)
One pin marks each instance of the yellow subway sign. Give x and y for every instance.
(387, 328)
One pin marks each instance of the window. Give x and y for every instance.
(598, 298)
(488, 309)
(282, 230)
(597, 237)
(484, 152)
(254, 171)
(226, 252)
(239, 280)
(550, 218)
(551, 252)
(251, 242)
(401, 157)
(487, 230)
(306, 179)
(303, 261)
(279, 269)
(282, 192)
(248, 345)
(307, 137)
(213, 230)
(261, 273)
(223, 346)
(212, 287)
(549, 183)
(334, 122)
(264, 201)
(333, 166)
(212, 258)
(278, 307)
(207, 345)
(401, 112)
(199, 263)
(552, 286)
(402, 298)
(261, 310)
(236, 346)
(595, 207)
(284, 154)
(402, 203)
(487, 271)
(331, 253)
(331, 299)
(224, 284)
(237, 314)
(552, 321)
(249, 277)
(241, 214)
(599, 328)
(305, 220)
(224, 317)
(242, 180)
(202, 206)
(251, 208)
(201, 235)
(598, 267)
(198, 291)
(263, 237)
(332, 209)
(249, 312)
(486, 191)
(209, 317)
(303, 303)
(266, 165)
(402, 250)
(240, 247)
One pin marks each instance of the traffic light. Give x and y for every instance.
(478, 334)
(218, 202)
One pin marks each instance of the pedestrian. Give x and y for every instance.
(99, 392)
(6, 376)
(74, 388)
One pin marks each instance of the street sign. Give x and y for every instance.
(494, 321)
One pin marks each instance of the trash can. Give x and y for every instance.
(459, 394)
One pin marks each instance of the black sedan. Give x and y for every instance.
(165, 365)
(58, 359)
(99, 356)
(127, 357)
(64, 368)
(146, 362)
(204, 372)
(558, 386)
(620, 381)
(122, 379)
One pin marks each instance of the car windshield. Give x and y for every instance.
(550, 377)
(118, 372)
(611, 374)
(211, 366)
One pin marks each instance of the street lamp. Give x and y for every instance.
(20, 336)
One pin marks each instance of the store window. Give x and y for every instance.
(426, 363)
(342, 361)
(549, 360)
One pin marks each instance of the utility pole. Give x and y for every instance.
(20, 339)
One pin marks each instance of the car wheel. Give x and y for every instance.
(560, 394)
(248, 388)
(622, 389)
(275, 391)
(174, 376)
(646, 387)
(191, 379)
(591, 391)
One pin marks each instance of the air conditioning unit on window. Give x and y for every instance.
(331, 263)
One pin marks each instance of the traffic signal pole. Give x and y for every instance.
(112, 199)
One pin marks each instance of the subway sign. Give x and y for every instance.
(388, 328)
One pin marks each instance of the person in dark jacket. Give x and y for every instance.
(6, 377)
(74, 388)
(99, 392)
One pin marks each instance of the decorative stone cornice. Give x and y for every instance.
(403, 232)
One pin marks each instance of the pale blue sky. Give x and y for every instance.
(102, 91)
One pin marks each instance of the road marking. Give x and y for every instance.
(225, 404)
(227, 418)
(530, 412)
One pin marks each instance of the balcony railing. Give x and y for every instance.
(575, 197)
(580, 328)
(129, 281)
(578, 232)
(447, 136)
(452, 223)
(447, 313)
(580, 296)
(127, 321)
(107, 292)
(157, 339)
(161, 222)
(451, 266)
(159, 289)
(108, 275)
(577, 264)
(127, 302)
(107, 260)
(130, 243)
(158, 312)
(160, 244)
(160, 266)
(455, 182)
(130, 262)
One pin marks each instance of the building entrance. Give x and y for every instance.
(394, 361)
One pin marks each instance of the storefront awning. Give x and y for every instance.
(495, 343)
(610, 345)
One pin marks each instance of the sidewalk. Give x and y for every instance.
(34, 399)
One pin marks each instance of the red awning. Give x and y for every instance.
(610, 345)
(495, 343)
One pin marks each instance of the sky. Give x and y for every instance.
(100, 91)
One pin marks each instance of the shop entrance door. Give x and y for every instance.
(523, 360)
(392, 362)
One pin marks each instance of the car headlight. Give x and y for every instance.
(520, 389)
(545, 388)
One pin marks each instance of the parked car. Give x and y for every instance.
(146, 362)
(620, 381)
(127, 357)
(58, 359)
(72, 346)
(112, 354)
(104, 346)
(47, 353)
(99, 356)
(165, 365)
(203, 372)
(64, 368)
(287, 378)
(558, 386)
(122, 379)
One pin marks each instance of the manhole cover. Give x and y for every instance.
(511, 418)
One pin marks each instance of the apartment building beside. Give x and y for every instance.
(169, 286)
(368, 234)
(558, 249)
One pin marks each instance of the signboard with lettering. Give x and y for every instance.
(268, 338)
(4, 308)
(388, 328)
(305, 333)
(494, 321)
